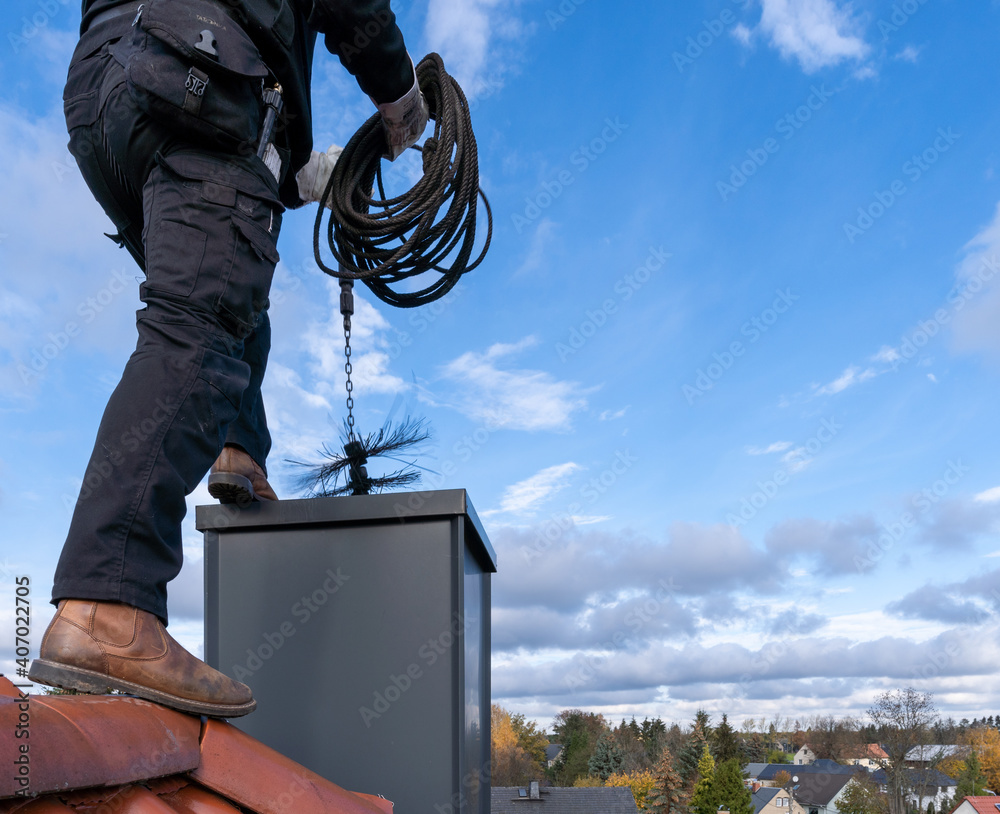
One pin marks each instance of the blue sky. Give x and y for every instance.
(723, 393)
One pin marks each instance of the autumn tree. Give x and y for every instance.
(782, 778)
(530, 738)
(666, 795)
(861, 796)
(832, 738)
(703, 798)
(510, 764)
(639, 782)
(986, 742)
(729, 789)
(902, 720)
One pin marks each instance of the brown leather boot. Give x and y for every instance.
(238, 478)
(95, 647)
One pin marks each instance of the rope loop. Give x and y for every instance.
(384, 242)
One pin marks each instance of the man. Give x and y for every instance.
(202, 221)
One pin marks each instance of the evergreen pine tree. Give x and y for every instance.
(690, 754)
(971, 781)
(726, 745)
(653, 735)
(666, 796)
(607, 758)
(703, 798)
(754, 750)
(729, 789)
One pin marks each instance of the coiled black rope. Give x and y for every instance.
(385, 242)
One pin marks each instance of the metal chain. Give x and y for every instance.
(348, 368)
(347, 310)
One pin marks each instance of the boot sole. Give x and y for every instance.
(229, 488)
(76, 678)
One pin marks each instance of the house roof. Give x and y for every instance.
(763, 796)
(868, 750)
(819, 789)
(827, 766)
(563, 800)
(753, 770)
(824, 766)
(86, 750)
(989, 804)
(918, 777)
(935, 751)
(552, 751)
(771, 769)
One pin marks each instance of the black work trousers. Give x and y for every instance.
(203, 226)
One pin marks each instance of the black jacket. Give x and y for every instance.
(363, 33)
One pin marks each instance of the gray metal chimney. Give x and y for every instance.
(362, 624)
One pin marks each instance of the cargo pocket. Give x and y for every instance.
(246, 285)
(213, 222)
(187, 245)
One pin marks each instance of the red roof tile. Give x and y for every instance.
(77, 741)
(46, 805)
(254, 775)
(87, 751)
(196, 800)
(136, 800)
(983, 805)
(7, 689)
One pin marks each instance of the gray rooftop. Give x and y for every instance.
(562, 800)
(762, 797)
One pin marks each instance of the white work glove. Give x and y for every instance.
(315, 175)
(404, 120)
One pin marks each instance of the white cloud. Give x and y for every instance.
(524, 497)
(323, 342)
(777, 446)
(512, 399)
(469, 34)
(851, 376)
(909, 54)
(742, 33)
(540, 241)
(975, 298)
(815, 32)
(988, 496)
(609, 415)
(887, 354)
(84, 299)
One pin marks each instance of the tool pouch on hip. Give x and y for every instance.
(191, 67)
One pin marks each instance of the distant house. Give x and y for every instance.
(561, 800)
(978, 805)
(924, 757)
(870, 755)
(765, 773)
(552, 753)
(818, 793)
(923, 786)
(804, 756)
(774, 801)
